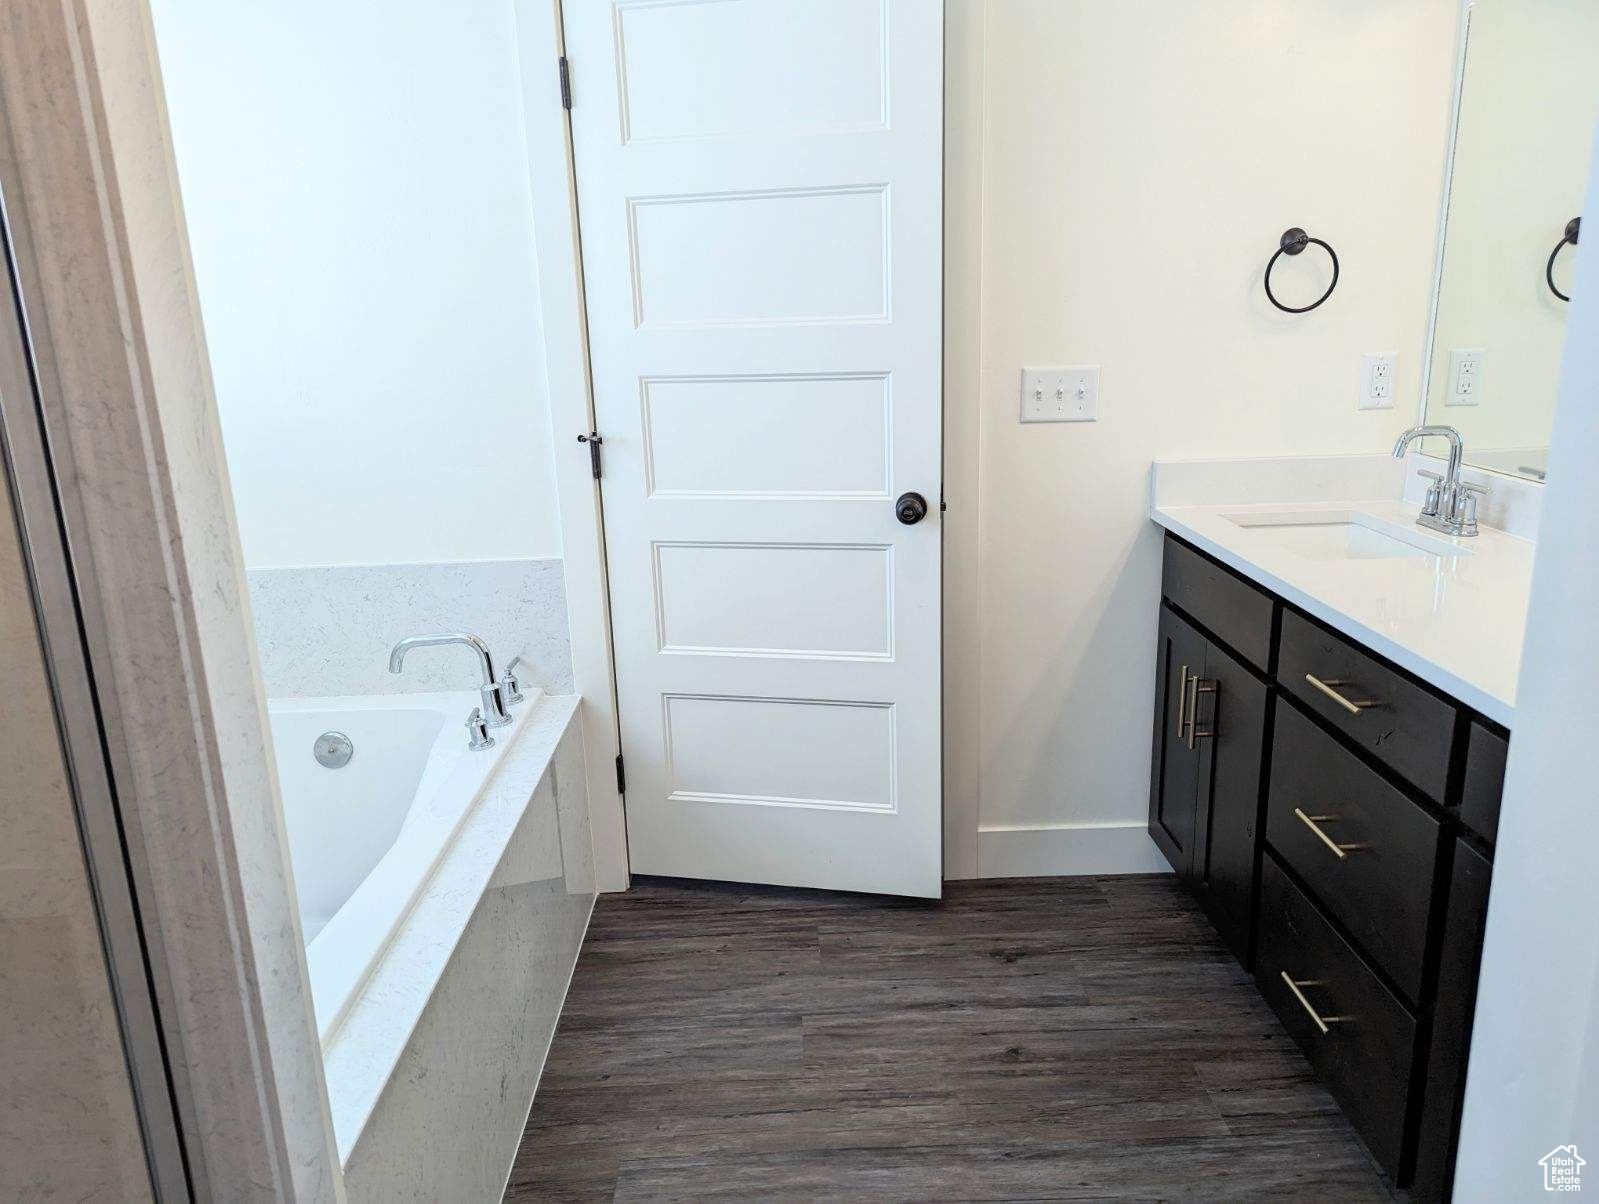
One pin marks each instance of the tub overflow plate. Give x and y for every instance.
(333, 749)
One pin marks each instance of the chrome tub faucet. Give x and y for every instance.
(492, 690)
(1451, 504)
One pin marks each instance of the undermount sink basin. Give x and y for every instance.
(1341, 535)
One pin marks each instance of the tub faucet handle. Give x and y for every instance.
(477, 731)
(511, 684)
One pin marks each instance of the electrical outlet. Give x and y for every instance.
(1377, 372)
(1060, 394)
(1465, 377)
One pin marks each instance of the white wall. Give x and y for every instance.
(1530, 100)
(355, 178)
(1116, 176)
(1534, 1077)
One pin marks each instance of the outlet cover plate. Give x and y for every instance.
(1377, 384)
(1069, 394)
(1465, 376)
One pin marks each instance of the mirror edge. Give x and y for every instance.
(1462, 40)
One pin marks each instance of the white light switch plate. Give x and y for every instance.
(1060, 394)
(1465, 376)
(1377, 372)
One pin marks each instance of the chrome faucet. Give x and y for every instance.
(491, 691)
(1451, 504)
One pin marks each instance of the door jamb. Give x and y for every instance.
(540, 45)
(108, 865)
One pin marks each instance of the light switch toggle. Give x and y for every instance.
(1063, 394)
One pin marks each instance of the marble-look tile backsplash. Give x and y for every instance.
(327, 629)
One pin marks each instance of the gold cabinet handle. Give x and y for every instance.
(1194, 730)
(1182, 702)
(1314, 822)
(1322, 1022)
(1326, 687)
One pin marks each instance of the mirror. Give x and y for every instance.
(1525, 111)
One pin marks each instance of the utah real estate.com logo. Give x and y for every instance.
(1562, 1169)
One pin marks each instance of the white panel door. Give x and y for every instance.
(760, 195)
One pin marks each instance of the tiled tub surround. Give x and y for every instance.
(1456, 622)
(326, 630)
(432, 1070)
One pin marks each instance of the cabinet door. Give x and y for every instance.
(1174, 775)
(1231, 714)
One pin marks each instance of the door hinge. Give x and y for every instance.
(566, 83)
(621, 776)
(593, 439)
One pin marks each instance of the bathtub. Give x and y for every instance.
(364, 839)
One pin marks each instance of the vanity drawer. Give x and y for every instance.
(1485, 781)
(1405, 726)
(1378, 879)
(1218, 599)
(1360, 1039)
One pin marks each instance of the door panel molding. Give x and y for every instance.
(763, 270)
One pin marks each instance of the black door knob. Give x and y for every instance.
(911, 508)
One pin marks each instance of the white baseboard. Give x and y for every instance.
(1063, 850)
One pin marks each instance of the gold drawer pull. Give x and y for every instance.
(1314, 822)
(1182, 702)
(1326, 687)
(1321, 1021)
(1195, 732)
(1188, 707)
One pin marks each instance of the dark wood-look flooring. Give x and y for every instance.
(1060, 1038)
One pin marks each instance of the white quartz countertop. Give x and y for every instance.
(1456, 622)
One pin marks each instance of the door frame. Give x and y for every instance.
(541, 45)
(32, 481)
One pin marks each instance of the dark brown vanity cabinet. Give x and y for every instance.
(1335, 817)
(1205, 788)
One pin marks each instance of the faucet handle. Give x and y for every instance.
(477, 731)
(511, 684)
(1433, 502)
(1468, 506)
